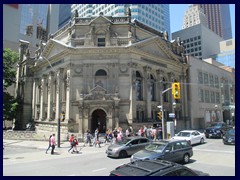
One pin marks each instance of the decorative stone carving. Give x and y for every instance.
(165, 35)
(123, 68)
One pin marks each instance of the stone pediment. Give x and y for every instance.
(53, 47)
(100, 93)
(156, 47)
(101, 20)
(98, 89)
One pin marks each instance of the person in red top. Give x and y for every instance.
(70, 141)
(73, 142)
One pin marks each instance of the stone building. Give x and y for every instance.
(102, 72)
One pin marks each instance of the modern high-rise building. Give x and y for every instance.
(155, 16)
(193, 16)
(218, 17)
(64, 14)
(29, 22)
(227, 53)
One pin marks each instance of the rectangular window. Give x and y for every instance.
(216, 82)
(212, 97)
(207, 100)
(200, 78)
(217, 97)
(101, 41)
(206, 82)
(211, 80)
(201, 95)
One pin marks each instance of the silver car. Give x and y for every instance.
(127, 146)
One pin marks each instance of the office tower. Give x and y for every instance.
(155, 16)
(64, 14)
(218, 17)
(199, 41)
(29, 22)
(227, 53)
(193, 16)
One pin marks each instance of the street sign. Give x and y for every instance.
(171, 115)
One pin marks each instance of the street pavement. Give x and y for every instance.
(40, 147)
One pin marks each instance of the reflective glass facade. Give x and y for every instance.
(153, 15)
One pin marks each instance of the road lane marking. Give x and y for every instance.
(209, 150)
(98, 169)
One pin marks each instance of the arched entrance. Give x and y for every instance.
(98, 120)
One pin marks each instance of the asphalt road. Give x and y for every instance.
(213, 157)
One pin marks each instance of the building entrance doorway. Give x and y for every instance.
(98, 120)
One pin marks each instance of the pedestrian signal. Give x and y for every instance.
(176, 90)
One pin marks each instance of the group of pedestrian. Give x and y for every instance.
(52, 143)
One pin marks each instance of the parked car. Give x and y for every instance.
(229, 137)
(170, 150)
(192, 136)
(127, 146)
(155, 168)
(216, 129)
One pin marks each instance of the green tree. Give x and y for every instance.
(10, 104)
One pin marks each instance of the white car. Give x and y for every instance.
(192, 136)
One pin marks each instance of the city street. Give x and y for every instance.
(212, 157)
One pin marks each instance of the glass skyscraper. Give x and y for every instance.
(218, 17)
(34, 20)
(155, 16)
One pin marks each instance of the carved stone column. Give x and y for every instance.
(35, 98)
(159, 86)
(43, 94)
(132, 109)
(58, 93)
(50, 96)
(68, 93)
(147, 93)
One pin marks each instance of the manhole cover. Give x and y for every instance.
(19, 157)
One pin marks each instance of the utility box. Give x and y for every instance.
(170, 130)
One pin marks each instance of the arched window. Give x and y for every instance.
(138, 86)
(101, 72)
(101, 78)
(152, 88)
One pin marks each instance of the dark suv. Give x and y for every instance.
(170, 150)
(216, 129)
(155, 168)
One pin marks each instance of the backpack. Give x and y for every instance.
(73, 143)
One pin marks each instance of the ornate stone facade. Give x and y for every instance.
(105, 72)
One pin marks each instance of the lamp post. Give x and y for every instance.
(216, 107)
(59, 101)
(162, 110)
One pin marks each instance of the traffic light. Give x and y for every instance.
(176, 90)
(159, 115)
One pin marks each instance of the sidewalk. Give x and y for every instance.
(61, 152)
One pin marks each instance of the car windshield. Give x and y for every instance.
(123, 142)
(184, 134)
(231, 132)
(156, 147)
(216, 125)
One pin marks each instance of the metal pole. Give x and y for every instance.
(163, 127)
(58, 133)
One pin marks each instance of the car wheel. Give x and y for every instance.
(186, 158)
(122, 154)
(202, 141)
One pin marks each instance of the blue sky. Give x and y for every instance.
(177, 13)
